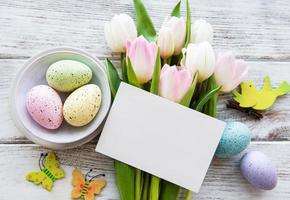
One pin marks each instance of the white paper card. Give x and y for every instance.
(160, 137)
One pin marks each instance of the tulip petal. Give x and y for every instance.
(132, 79)
(174, 83)
(165, 42)
(224, 69)
(108, 35)
(201, 31)
(178, 29)
(142, 55)
(229, 72)
(241, 70)
(120, 29)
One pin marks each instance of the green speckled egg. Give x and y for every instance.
(81, 106)
(68, 75)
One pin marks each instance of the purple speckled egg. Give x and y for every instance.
(44, 106)
(259, 170)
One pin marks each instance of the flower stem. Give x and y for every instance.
(123, 67)
(145, 189)
(168, 61)
(169, 191)
(188, 195)
(154, 188)
(138, 184)
(211, 106)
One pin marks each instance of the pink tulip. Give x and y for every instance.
(174, 82)
(229, 71)
(142, 55)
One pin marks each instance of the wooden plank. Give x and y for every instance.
(275, 125)
(223, 180)
(254, 29)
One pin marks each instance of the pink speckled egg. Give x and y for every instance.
(44, 106)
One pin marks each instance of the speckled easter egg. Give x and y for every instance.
(82, 105)
(44, 106)
(68, 75)
(236, 137)
(259, 170)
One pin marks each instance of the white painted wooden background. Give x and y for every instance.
(256, 30)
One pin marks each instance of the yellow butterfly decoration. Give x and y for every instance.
(87, 186)
(251, 97)
(49, 171)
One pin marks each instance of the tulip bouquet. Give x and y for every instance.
(179, 64)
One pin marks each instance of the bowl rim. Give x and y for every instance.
(39, 140)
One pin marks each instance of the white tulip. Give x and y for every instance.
(200, 57)
(201, 31)
(118, 31)
(165, 42)
(178, 30)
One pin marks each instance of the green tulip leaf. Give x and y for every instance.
(189, 94)
(113, 77)
(156, 74)
(210, 106)
(176, 10)
(125, 179)
(132, 78)
(188, 24)
(206, 98)
(145, 26)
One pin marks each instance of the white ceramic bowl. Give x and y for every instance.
(32, 74)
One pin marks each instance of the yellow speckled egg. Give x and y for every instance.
(82, 105)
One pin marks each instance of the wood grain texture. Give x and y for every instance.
(275, 126)
(223, 180)
(254, 29)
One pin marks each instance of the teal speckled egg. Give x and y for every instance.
(236, 137)
(68, 75)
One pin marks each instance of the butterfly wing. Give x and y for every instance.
(52, 164)
(57, 172)
(95, 187)
(35, 177)
(51, 161)
(89, 196)
(47, 183)
(78, 182)
(98, 185)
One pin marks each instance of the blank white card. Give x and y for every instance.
(160, 137)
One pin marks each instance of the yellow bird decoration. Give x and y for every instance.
(251, 97)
